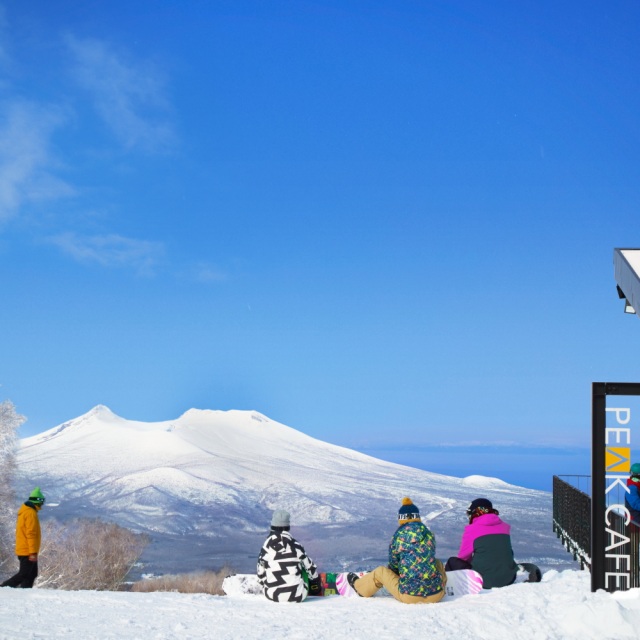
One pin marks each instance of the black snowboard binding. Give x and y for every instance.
(535, 575)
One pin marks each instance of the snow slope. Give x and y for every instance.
(204, 486)
(559, 608)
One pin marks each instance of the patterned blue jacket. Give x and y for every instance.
(412, 555)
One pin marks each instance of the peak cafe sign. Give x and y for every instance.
(614, 555)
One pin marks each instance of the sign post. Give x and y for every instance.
(612, 438)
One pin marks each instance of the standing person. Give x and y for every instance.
(27, 542)
(285, 571)
(486, 546)
(414, 575)
(632, 498)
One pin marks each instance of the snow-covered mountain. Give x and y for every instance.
(203, 487)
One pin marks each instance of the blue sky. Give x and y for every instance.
(385, 224)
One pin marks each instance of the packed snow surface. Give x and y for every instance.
(560, 607)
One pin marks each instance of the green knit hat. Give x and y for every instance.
(635, 469)
(36, 496)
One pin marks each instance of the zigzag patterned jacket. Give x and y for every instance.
(280, 564)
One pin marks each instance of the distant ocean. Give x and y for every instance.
(531, 467)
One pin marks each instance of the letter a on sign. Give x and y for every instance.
(617, 459)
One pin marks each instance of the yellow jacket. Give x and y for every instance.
(27, 531)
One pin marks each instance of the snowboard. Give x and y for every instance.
(459, 583)
(328, 583)
(342, 584)
(462, 582)
(242, 584)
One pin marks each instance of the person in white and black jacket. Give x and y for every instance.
(285, 571)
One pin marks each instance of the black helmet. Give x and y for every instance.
(479, 507)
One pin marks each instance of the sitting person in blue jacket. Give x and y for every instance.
(632, 499)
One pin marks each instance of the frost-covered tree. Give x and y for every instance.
(87, 554)
(9, 423)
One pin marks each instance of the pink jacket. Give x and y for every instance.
(484, 525)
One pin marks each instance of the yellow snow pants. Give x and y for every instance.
(384, 577)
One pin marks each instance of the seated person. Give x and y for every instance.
(486, 546)
(285, 571)
(414, 575)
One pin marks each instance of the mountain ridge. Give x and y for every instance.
(212, 478)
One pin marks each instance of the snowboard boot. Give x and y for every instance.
(352, 578)
(535, 575)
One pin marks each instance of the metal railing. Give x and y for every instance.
(572, 519)
(572, 524)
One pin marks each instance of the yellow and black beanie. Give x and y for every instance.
(408, 512)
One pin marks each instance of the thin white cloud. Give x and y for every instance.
(111, 250)
(128, 96)
(208, 274)
(26, 158)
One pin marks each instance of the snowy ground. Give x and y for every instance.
(561, 607)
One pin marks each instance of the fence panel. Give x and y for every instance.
(572, 524)
(572, 520)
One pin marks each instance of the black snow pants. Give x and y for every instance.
(26, 575)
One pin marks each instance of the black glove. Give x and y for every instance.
(315, 587)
